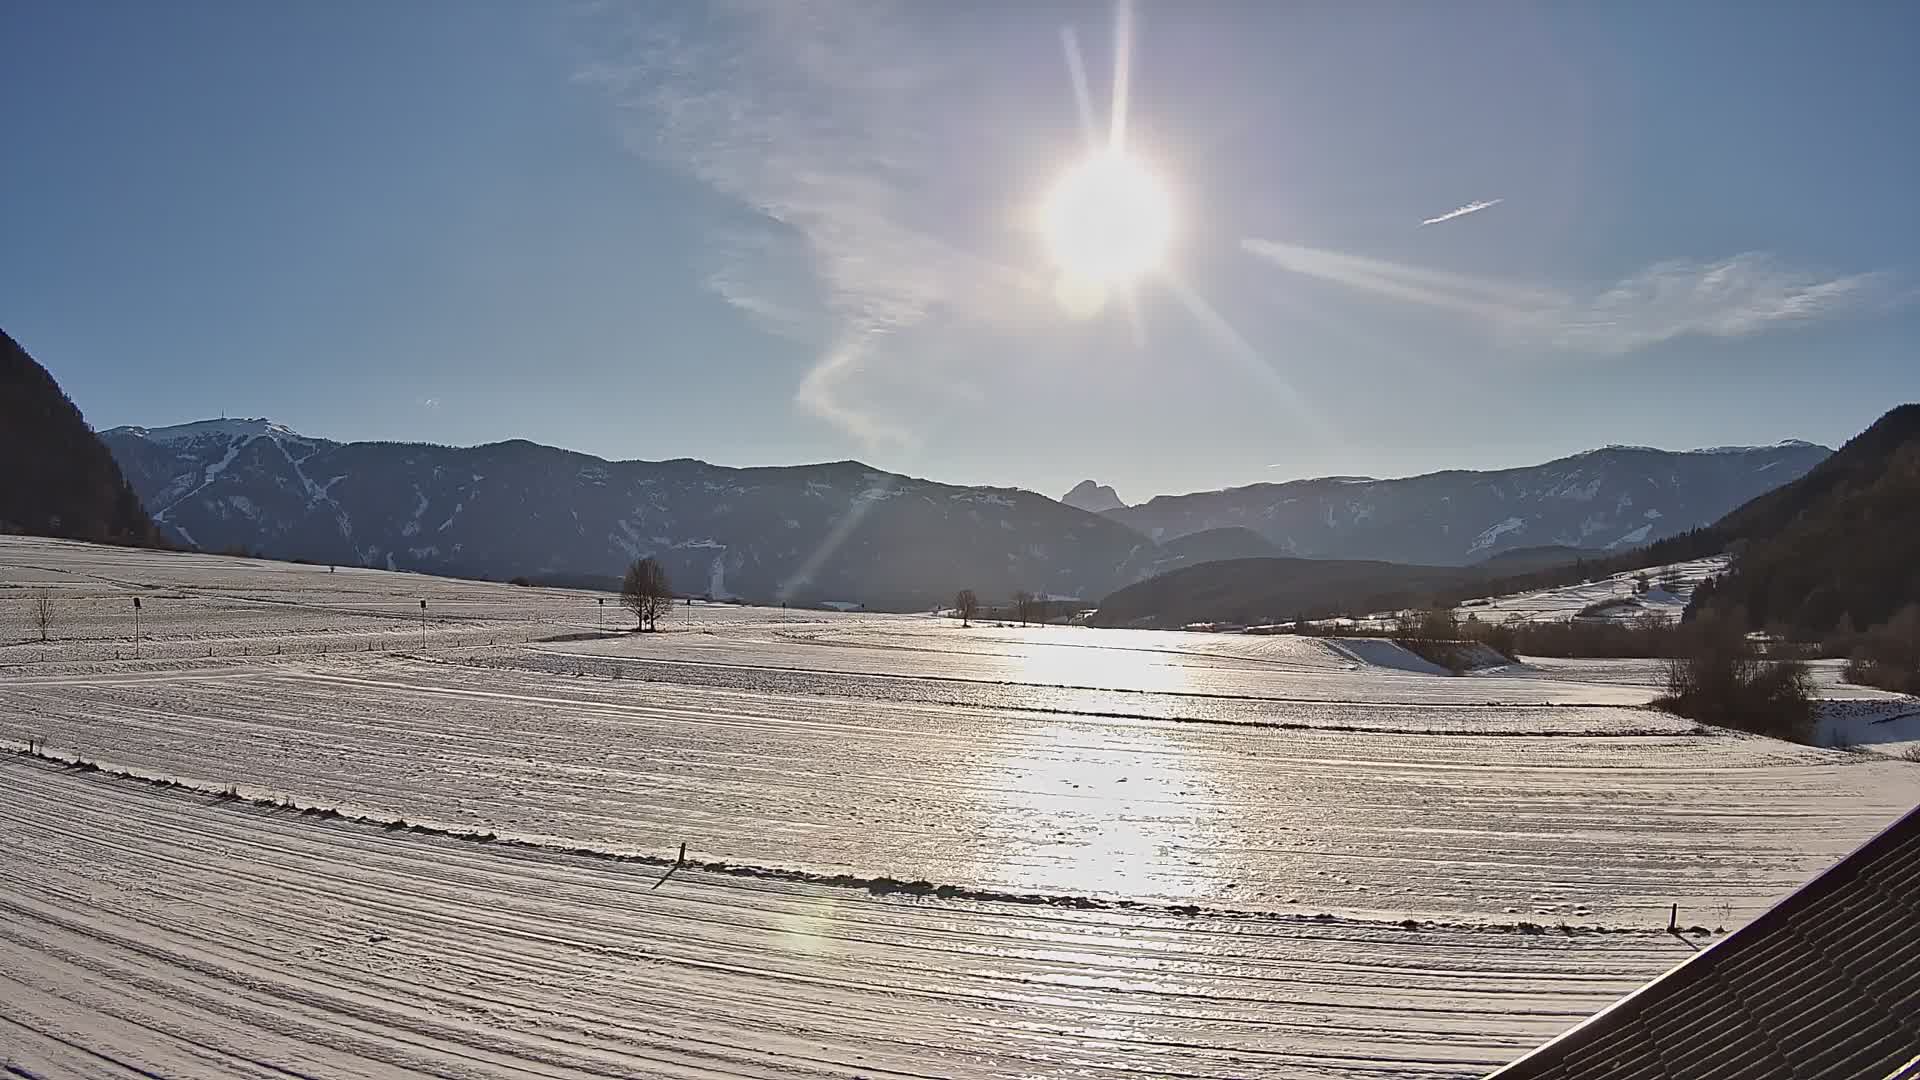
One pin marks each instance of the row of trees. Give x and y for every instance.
(1026, 607)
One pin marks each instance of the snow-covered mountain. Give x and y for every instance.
(831, 532)
(1612, 498)
(847, 532)
(1093, 498)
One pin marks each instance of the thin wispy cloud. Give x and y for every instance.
(1470, 208)
(823, 120)
(1734, 297)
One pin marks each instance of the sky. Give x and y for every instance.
(1404, 237)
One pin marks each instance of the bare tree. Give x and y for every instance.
(42, 615)
(1023, 606)
(966, 605)
(646, 592)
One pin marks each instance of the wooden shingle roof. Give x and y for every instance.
(1823, 986)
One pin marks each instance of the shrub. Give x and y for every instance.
(1723, 680)
(1451, 655)
(1865, 671)
(1887, 656)
(1500, 637)
(1436, 625)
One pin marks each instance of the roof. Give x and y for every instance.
(1823, 986)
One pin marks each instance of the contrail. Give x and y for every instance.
(1470, 208)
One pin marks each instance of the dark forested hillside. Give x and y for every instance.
(56, 477)
(1267, 590)
(1841, 541)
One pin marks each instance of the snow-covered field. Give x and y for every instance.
(1142, 853)
(1618, 591)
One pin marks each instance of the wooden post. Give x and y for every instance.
(1673, 920)
(677, 864)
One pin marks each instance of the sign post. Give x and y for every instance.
(136, 628)
(603, 615)
(423, 626)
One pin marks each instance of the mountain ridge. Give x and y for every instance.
(1608, 498)
(841, 531)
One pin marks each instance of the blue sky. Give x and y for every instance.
(801, 232)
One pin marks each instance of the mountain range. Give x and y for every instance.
(846, 532)
(1614, 498)
(1834, 550)
(838, 532)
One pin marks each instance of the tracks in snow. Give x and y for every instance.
(149, 929)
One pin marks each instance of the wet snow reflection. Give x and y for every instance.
(1101, 811)
(1078, 665)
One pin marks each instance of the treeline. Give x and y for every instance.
(1648, 636)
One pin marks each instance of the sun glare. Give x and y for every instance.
(1107, 222)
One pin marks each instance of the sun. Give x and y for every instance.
(1107, 221)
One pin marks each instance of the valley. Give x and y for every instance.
(1006, 851)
